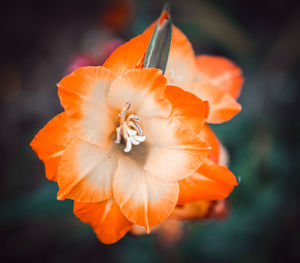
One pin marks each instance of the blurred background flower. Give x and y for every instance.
(172, 230)
(41, 41)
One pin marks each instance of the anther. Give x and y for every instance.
(129, 129)
(129, 104)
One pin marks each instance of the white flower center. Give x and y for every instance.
(129, 129)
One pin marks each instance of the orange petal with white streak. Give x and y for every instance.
(220, 72)
(86, 172)
(143, 198)
(173, 152)
(143, 88)
(50, 142)
(210, 182)
(181, 65)
(222, 106)
(83, 95)
(106, 219)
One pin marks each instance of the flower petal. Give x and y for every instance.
(50, 142)
(143, 198)
(217, 209)
(83, 95)
(129, 55)
(210, 182)
(86, 172)
(220, 72)
(224, 157)
(173, 151)
(181, 67)
(186, 107)
(143, 88)
(105, 217)
(209, 136)
(222, 106)
(192, 211)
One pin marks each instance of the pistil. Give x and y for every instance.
(129, 129)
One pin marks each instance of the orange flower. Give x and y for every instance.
(137, 180)
(214, 79)
(129, 147)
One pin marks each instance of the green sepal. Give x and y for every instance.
(158, 50)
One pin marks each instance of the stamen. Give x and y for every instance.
(118, 140)
(136, 127)
(125, 109)
(129, 104)
(129, 129)
(122, 114)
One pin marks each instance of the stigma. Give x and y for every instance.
(129, 129)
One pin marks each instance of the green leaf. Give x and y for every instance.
(157, 53)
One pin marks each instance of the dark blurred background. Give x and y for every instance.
(41, 41)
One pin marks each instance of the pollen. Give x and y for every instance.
(129, 129)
